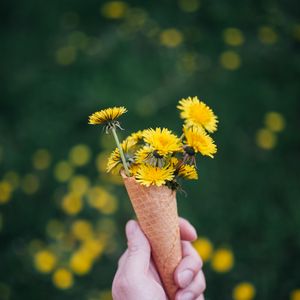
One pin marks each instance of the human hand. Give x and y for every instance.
(137, 277)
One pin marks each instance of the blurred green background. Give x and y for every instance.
(62, 217)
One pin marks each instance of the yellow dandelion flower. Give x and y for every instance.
(188, 172)
(63, 278)
(198, 141)
(148, 175)
(115, 158)
(136, 136)
(197, 113)
(222, 260)
(134, 168)
(163, 141)
(143, 154)
(107, 116)
(80, 262)
(243, 291)
(173, 161)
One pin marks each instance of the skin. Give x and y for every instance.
(137, 278)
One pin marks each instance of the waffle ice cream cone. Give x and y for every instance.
(156, 211)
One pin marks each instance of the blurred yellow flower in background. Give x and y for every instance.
(197, 113)
(45, 261)
(266, 139)
(41, 159)
(114, 9)
(189, 6)
(204, 247)
(233, 36)
(103, 201)
(30, 184)
(82, 229)
(80, 263)
(295, 295)
(79, 185)
(80, 155)
(63, 278)
(148, 175)
(230, 60)
(71, 204)
(66, 55)
(13, 178)
(63, 171)
(5, 191)
(267, 35)
(243, 291)
(171, 37)
(274, 121)
(222, 260)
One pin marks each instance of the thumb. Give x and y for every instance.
(138, 257)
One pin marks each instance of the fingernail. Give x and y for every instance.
(187, 296)
(131, 227)
(185, 278)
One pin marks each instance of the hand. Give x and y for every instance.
(137, 277)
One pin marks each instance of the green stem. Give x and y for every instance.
(113, 130)
(181, 137)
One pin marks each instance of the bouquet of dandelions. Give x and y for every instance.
(150, 162)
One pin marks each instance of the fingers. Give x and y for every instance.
(187, 231)
(189, 266)
(194, 290)
(137, 258)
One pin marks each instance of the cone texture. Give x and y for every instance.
(156, 210)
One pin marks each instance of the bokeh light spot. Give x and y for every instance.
(266, 139)
(63, 171)
(230, 60)
(71, 204)
(5, 191)
(78, 39)
(30, 184)
(45, 261)
(267, 35)
(189, 5)
(114, 9)
(233, 36)
(41, 159)
(171, 37)
(63, 278)
(222, 260)
(295, 295)
(79, 185)
(274, 121)
(65, 55)
(204, 247)
(80, 155)
(80, 263)
(82, 229)
(13, 178)
(243, 291)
